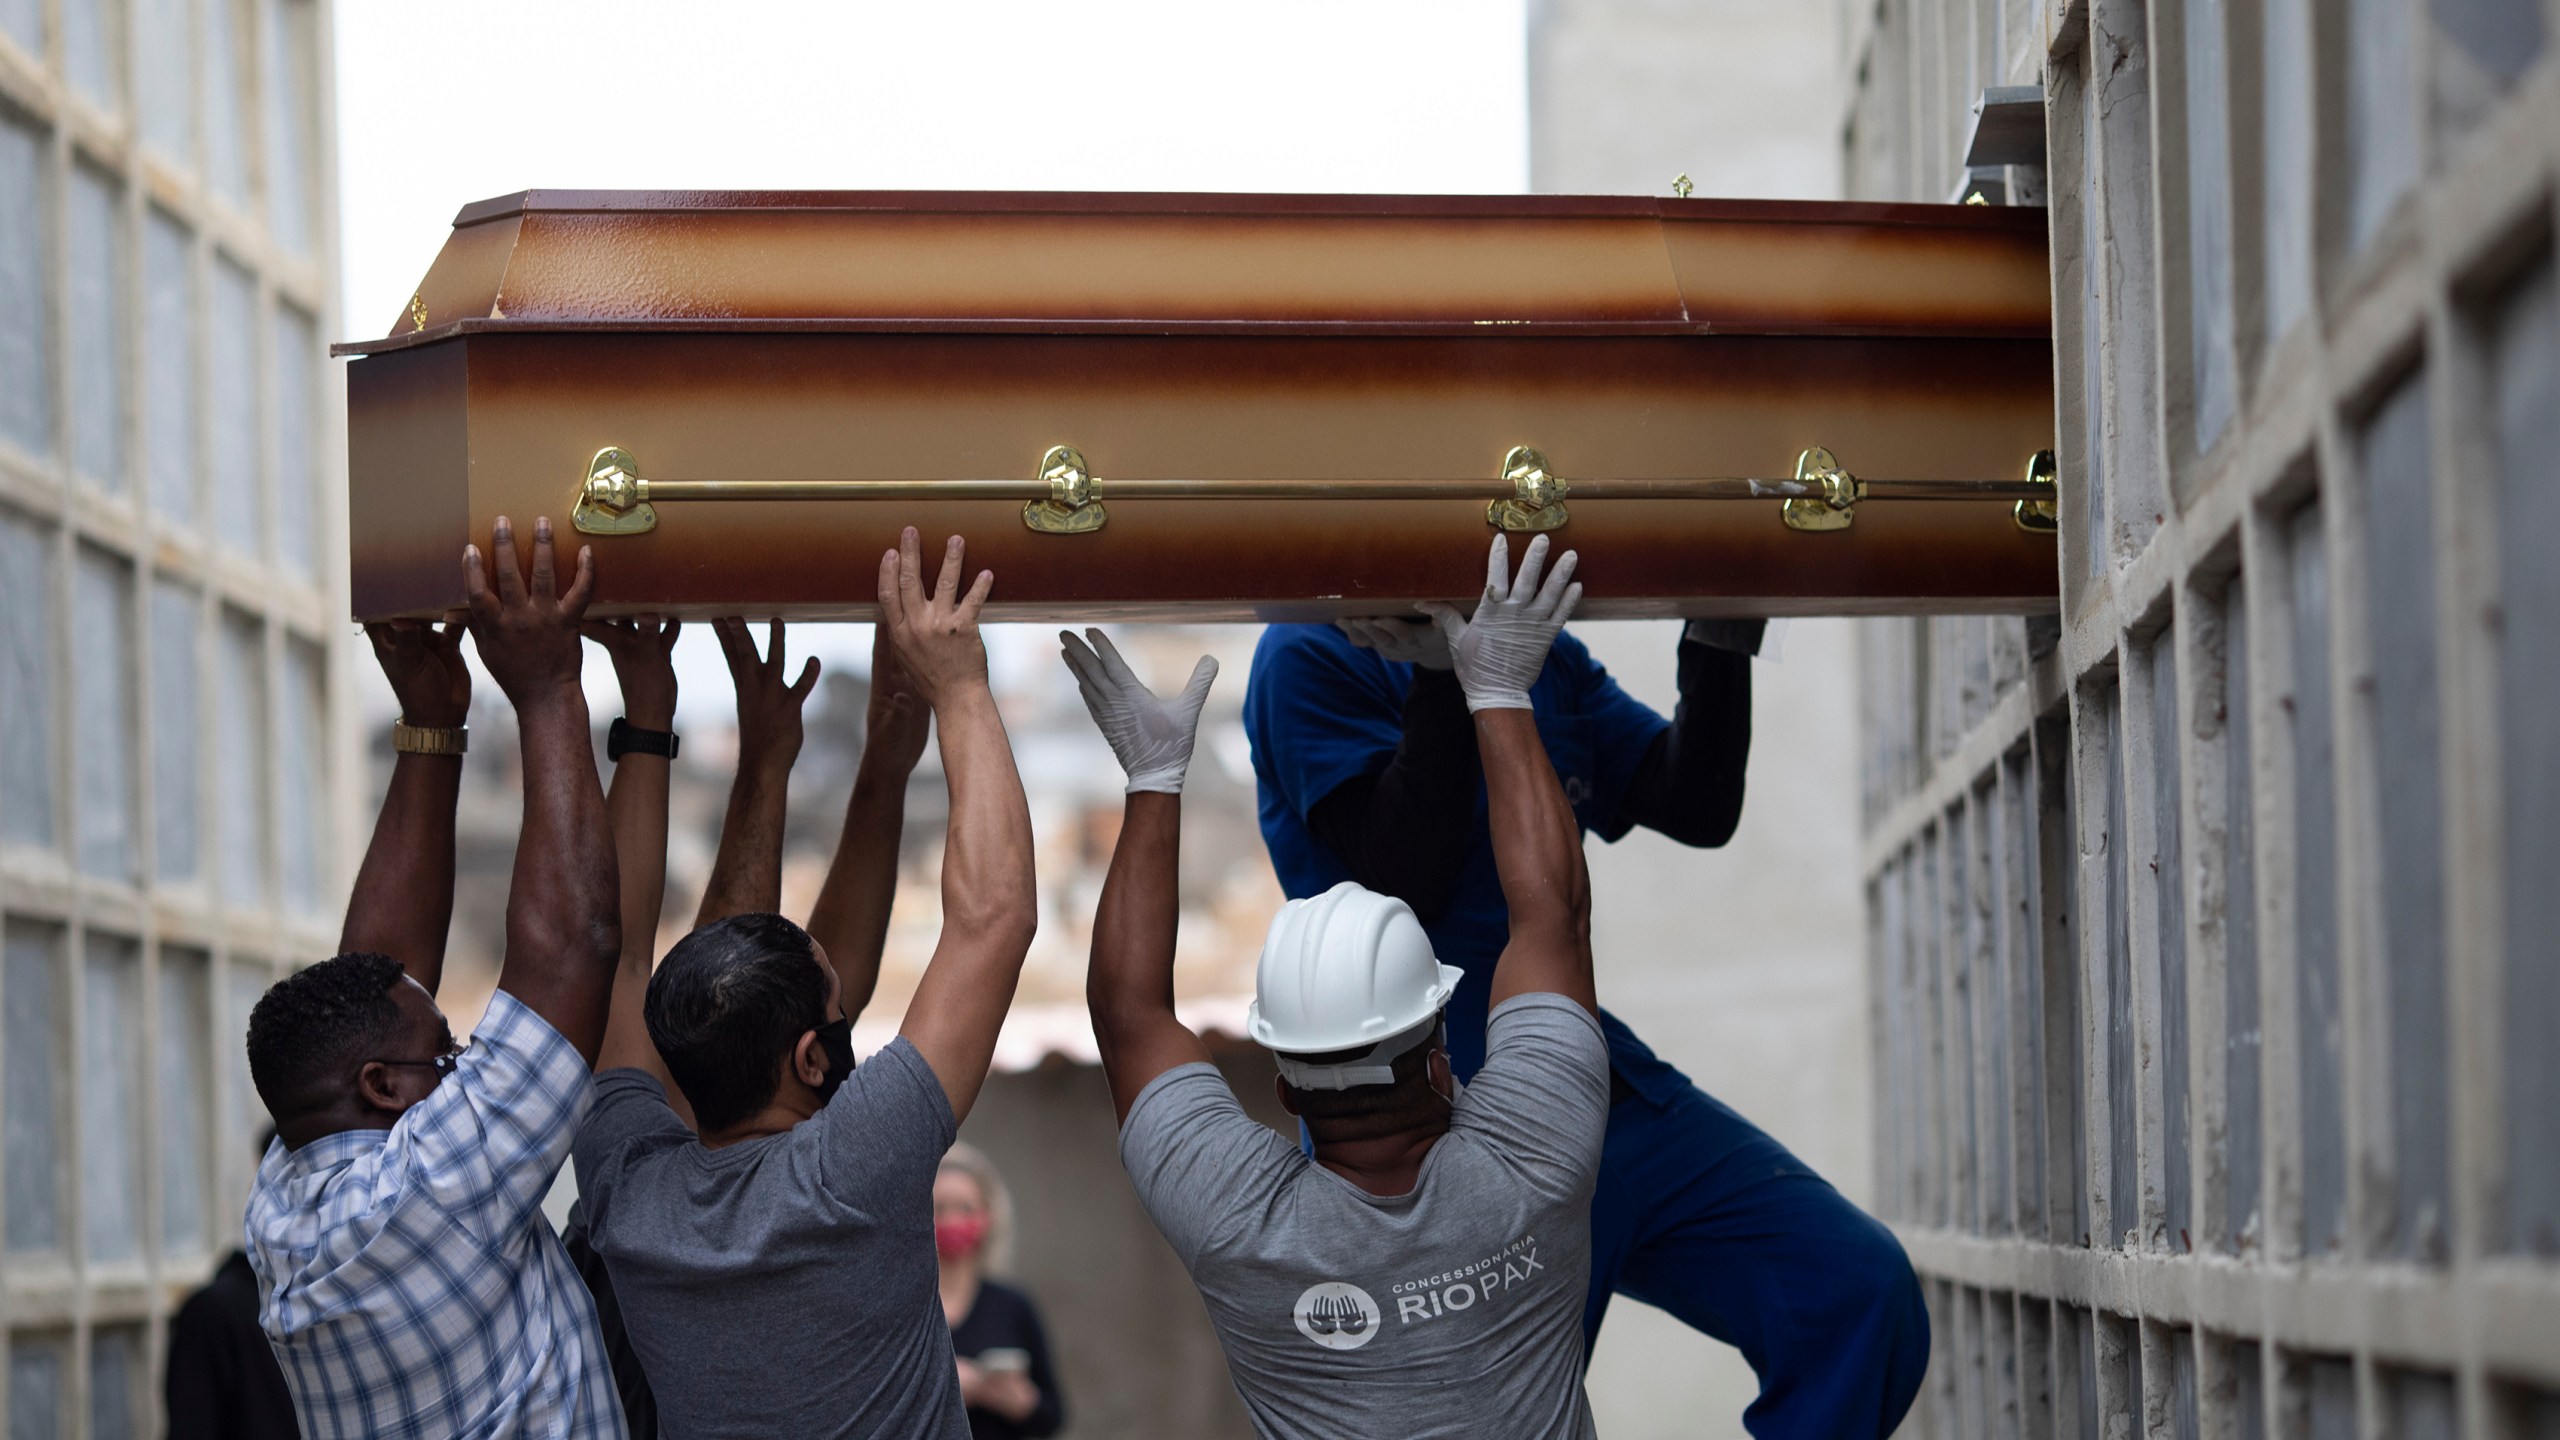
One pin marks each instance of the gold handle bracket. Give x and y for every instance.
(614, 500)
(2041, 517)
(1072, 508)
(1832, 508)
(1536, 501)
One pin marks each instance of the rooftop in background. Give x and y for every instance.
(1074, 787)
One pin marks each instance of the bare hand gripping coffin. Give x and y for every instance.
(1161, 405)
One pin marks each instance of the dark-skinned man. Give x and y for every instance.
(1366, 766)
(408, 1281)
(776, 1270)
(222, 1381)
(1422, 1274)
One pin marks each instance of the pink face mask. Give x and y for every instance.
(958, 1236)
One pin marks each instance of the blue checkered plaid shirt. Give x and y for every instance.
(407, 1278)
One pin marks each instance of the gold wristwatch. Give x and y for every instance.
(410, 739)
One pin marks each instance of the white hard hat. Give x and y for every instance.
(1346, 970)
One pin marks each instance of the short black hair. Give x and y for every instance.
(727, 1005)
(1368, 1110)
(316, 1025)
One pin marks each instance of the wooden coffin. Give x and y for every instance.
(1220, 406)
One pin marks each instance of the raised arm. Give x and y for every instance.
(1129, 984)
(636, 804)
(1537, 846)
(564, 926)
(746, 873)
(851, 918)
(990, 902)
(402, 903)
(1690, 784)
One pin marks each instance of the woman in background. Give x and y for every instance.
(1005, 1379)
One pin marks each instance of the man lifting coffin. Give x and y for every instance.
(1423, 1273)
(1368, 769)
(407, 1278)
(848, 923)
(777, 1273)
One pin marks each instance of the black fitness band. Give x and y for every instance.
(625, 738)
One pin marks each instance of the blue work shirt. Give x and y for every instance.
(1321, 711)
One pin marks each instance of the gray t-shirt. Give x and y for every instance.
(785, 1285)
(1454, 1309)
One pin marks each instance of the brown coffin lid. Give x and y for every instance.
(1064, 263)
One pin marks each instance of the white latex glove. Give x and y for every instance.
(1151, 736)
(1500, 652)
(1414, 642)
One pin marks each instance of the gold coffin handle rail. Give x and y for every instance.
(1064, 498)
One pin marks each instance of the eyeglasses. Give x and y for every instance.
(443, 1064)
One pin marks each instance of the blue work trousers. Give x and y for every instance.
(1701, 1214)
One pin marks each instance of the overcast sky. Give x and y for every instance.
(447, 103)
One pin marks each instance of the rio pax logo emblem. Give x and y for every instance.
(1337, 1316)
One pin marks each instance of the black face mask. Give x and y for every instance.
(836, 1038)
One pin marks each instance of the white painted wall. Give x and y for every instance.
(1743, 966)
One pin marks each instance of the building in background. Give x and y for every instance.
(171, 641)
(1744, 965)
(1741, 97)
(1073, 785)
(2194, 1031)
(2212, 929)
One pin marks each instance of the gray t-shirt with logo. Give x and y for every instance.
(1454, 1309)
(785, 1285)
